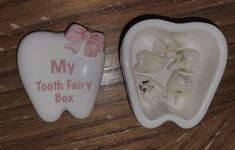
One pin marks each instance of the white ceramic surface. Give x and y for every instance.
(206, 39)
(62, 71)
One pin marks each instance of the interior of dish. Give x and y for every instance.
(200, 40)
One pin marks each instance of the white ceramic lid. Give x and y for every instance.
(62, 71)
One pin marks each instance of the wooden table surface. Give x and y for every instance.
(111, 124)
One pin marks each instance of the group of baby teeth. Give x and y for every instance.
(180, 83)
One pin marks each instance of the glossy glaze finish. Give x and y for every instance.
(62, 71)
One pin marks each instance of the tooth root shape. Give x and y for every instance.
(148, 62)
(186, 60)
(62, 71)
(179, 82)
(49, 112)
(165, 44)
(149, 90)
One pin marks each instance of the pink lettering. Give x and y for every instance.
(62, 66)
(58, 68)
(70, 98)
(63, 98)
(78, 85)
(88, 85)
(71, 67)
(57, 97)
(50, 87)
(56, 85)
(38, 85)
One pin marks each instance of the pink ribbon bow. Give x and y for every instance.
(94, 41)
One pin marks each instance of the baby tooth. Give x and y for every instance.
(190, 55)
(182, 66)
(150, 91)
(179, 82)
(148, 62)
(164, 44)
(186, 60)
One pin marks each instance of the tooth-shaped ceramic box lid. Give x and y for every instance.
(62, 71)
(172, 70)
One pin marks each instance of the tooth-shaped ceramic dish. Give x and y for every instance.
(206, 39)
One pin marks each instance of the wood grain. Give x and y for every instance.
(112, 124)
